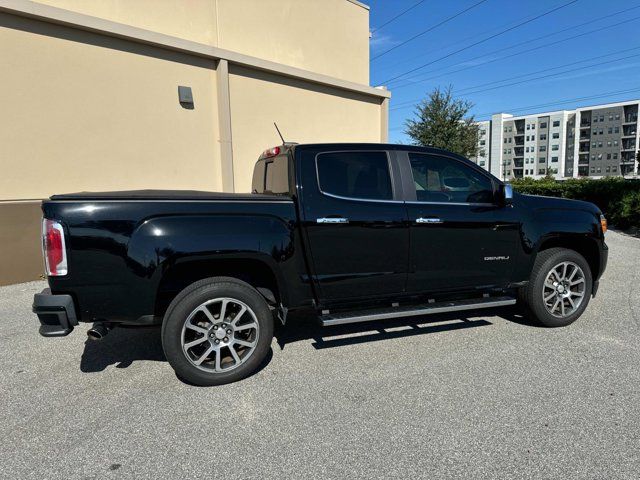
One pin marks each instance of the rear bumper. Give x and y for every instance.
(56, 313)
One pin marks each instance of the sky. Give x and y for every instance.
(529, 68)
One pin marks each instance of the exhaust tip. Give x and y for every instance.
(98, 331)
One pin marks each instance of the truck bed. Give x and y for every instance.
(169, 195)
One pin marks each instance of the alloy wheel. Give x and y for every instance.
(220, 335)
(564, 289)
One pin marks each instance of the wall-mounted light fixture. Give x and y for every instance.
(185, 97)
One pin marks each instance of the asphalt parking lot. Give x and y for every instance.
(481, 396)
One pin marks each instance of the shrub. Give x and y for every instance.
(618, 198)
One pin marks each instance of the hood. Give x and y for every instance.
(539, 202)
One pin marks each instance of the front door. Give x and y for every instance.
(457, 239)
(355, 223)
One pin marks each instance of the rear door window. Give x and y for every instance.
(358, 175)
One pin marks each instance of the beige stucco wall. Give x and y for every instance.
(84, 112)
(193, 20)
(322, 36)
(304, 112)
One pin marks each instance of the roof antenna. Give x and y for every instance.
(278, 130)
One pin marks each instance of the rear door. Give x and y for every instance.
(355, 223)
(457, 239)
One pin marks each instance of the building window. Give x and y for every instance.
(594, 132)
(528, 127)
(542, 159)
(617, 116)
(608, 169)
(601, 131)
(609, 143)
(614, 169)
(594, 144)
(555, 135)
(556, 123)
(541, 171)
(505, 140)
(533, 137)
(611, 116)
(543, 148)
(615, 143)
(511, 129)
(602, 118)
(526, 149)
(599, 169)
(610, 130)
(505, 129)
(554, 159)
(482, 163)
(528, 138)
(482, 142)
(504, 151)
(615, 156)
(593, 157)
(608, 156)
(555, 147)
(593, 169)
(533, 126)
(600, 144)
(543, 125)
(508, 150)
(616, 130)
(543, 136)
(599, 156)
(509, 139)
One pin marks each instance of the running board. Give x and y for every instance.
(415, 310)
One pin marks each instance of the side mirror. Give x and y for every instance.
(508, 194)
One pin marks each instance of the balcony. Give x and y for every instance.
(631, 119)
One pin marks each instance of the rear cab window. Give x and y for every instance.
(271, 175)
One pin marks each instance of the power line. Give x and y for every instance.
(407, 102)
(468, 67)
(567, 101)
(535, 78)
(552, 104)
(398, 16)
(553, 74)
(548, 12)
(429, 30)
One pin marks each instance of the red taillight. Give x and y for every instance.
(271, 152)
(55, 254)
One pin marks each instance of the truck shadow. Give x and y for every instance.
(123, 346)
(305, 327)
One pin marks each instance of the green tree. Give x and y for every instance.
(442, 121)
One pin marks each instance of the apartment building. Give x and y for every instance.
(594, 141)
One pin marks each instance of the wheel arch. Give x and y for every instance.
(257, 272)
(585, 246)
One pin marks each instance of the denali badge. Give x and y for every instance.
(502, 257)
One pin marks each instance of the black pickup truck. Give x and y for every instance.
(353, 232)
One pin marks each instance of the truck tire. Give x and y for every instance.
(216, 331)
(559, 288)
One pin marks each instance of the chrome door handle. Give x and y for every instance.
(332, 220)
(428, 220)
